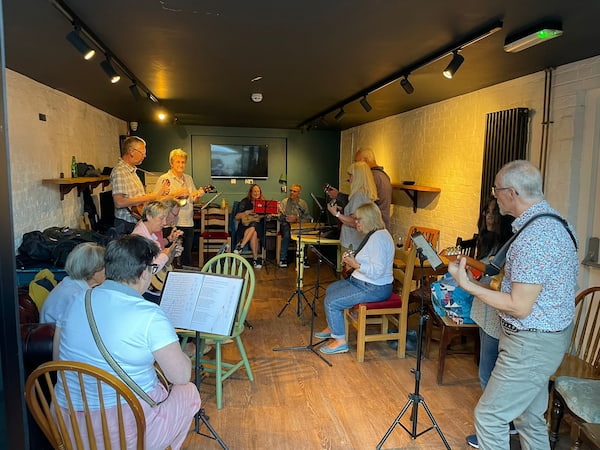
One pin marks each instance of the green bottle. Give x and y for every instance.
(73, 167)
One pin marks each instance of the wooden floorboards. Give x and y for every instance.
(298, 402)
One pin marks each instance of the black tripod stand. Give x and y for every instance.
(298, 293)
(201, 414)
(415, 399)
(312, 305)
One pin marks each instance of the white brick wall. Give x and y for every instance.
(40, 150)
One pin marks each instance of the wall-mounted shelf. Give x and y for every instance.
(67, 184)
(413, 190)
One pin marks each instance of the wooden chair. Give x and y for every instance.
(60, 426)
(468, 246)
(431, 235)
(235, 265)
(582, 361)
(214, 231)
(394, 310)
(448, 331)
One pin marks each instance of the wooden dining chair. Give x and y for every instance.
(581, 362)
(431, 235)
(380, 314)
(238, 266)
(71, 428)
(468, 247)
(214, 231)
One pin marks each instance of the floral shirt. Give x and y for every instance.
(543, 254)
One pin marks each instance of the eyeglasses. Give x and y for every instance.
(294, 190)
(358, 219)
(153, 268)
(143, 153)
(495, 189)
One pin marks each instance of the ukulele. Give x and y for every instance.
(477, 267)
(346, 269)
(136, 210)
(159, 278)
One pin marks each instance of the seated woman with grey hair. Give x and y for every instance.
(154, 219)
(85, 269)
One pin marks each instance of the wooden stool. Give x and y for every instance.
(448, 330)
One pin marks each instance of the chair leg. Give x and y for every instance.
(360, 336)
(556, 416)
(201, 253)
(219, 375)
(402, 328)
(444, 341)
(242, 350)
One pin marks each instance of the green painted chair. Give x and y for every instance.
(227, 264)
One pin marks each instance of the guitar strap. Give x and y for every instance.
(364, 241)
(495, 266)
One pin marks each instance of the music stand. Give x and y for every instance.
(265, 207)
(201, 414)
(424, 251)
(311, 346)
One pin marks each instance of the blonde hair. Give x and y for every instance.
(370, 216)
(177, 153)
(362, 180)
(153, 209)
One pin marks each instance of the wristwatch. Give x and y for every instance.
(337, 214)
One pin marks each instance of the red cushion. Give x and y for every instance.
(394, 301)
(215, 235)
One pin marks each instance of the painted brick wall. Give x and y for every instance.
(40, 150)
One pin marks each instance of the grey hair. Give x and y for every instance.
(128, 142)
(84, 261)
(177, 153)
(153, 209)
(370, 216)
(127, 257)
(524, 177)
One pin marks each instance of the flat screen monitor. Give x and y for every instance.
(239, 161)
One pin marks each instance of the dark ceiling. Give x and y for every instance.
(199, 57)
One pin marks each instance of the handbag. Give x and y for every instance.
(112, 362)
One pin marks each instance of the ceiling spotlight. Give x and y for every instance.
(161, 115)
(79, 43)
(152, 97)
(135, 92)
(365, 104)
(457, 60)
(532, 36)
(340, 114)
(406, 85)
(110, 71)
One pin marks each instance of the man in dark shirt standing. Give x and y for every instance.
(382, 182)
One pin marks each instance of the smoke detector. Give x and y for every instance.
(257, 97)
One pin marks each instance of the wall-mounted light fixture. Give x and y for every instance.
(110, 71)
(365, 104)
(407, 85)
(456, 62)
(532, 36)
(135, 91)
(81, 45)
(340, 114)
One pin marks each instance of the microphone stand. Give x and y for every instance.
(415, 399)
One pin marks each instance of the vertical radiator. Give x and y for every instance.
(505, 141)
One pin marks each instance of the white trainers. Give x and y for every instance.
(257, 263)
(238, 249)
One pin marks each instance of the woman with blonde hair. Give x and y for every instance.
(371, 278)
(362, 190)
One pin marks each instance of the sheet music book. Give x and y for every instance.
(266, 207)
(200, 301)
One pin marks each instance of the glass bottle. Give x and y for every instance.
(73, 167)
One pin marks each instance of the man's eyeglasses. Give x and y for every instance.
(495, 189)
(143, 153)
(153, 268)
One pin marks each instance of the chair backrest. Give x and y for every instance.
(468, 246)
(585, 342)
(214, 219)
(404, 274)
(236, 265)
(430, 234)
(60, 426)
